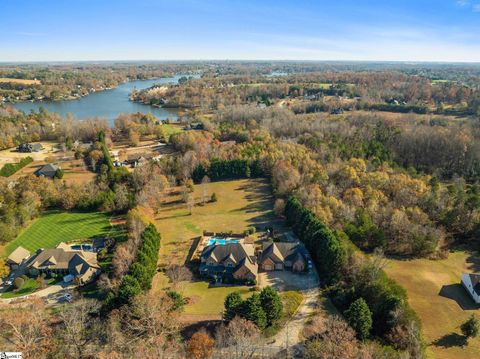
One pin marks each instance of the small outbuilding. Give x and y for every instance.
(471, 283)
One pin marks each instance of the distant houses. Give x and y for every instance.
(30, 147)
(471, 283)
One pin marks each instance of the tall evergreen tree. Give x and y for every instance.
(271, 304)
(359, 317)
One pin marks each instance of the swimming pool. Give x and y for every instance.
(221, 241)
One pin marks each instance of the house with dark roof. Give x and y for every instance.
(283, 256)
(82, 265)
(229, 262)
(30, 147)
(471, 283)
(48, 170)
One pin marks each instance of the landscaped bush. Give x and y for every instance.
(18, 282)
(10, 168)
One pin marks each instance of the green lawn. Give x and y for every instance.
(209, 301)
(55, 227)
(28, 287)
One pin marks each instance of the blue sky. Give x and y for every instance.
(402, 30)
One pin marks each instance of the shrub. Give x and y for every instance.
(471, 327)
(214, 197)
(59, 173)
(359, 317)
(18, 282)
(178, 300)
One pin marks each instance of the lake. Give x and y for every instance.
(106, 104)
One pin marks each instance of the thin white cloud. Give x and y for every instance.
(476, 7)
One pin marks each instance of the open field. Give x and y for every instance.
(435, 293)
(55, 227)
(20, 81)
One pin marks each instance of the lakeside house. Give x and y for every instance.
(49, 171)
(471, 283)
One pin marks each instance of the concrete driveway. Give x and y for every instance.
(290, 336)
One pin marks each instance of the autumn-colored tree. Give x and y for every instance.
(200, 345)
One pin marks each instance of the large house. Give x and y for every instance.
(48, 171)
(471, 283)
(230, 261)
(237, 260)
(283, 255)
(79, 264)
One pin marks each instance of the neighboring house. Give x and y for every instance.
(47, 171)
(231, 261)
(17, 257)
(283, 255)
(30, 147)
(83, 266)
(471, 283)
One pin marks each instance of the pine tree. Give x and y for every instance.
(232, 305)
(271, 304)
(359, 317)
(252, 310)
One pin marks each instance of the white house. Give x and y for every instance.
(471, 283)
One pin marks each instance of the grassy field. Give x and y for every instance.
(55, 227)
(435, 293)
(20, 81)
(240, 204)
(209, 301)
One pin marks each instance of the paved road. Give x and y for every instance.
(52, 293)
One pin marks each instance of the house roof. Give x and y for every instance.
(282, 251)
(475, 279)
(47, 170)
(18, 255)
(235, 251)
(77, 262)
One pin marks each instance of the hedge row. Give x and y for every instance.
(228, 169)
(10, 168)
(385, 298)
(142, 270)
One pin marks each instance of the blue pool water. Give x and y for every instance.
(221, 241)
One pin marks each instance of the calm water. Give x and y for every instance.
(106, 104)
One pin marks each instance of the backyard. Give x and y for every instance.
(55, 227)
(240, 204)
(435, 293)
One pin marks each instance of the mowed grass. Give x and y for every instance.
(55, 227)
(435, 293)
(209, 301)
